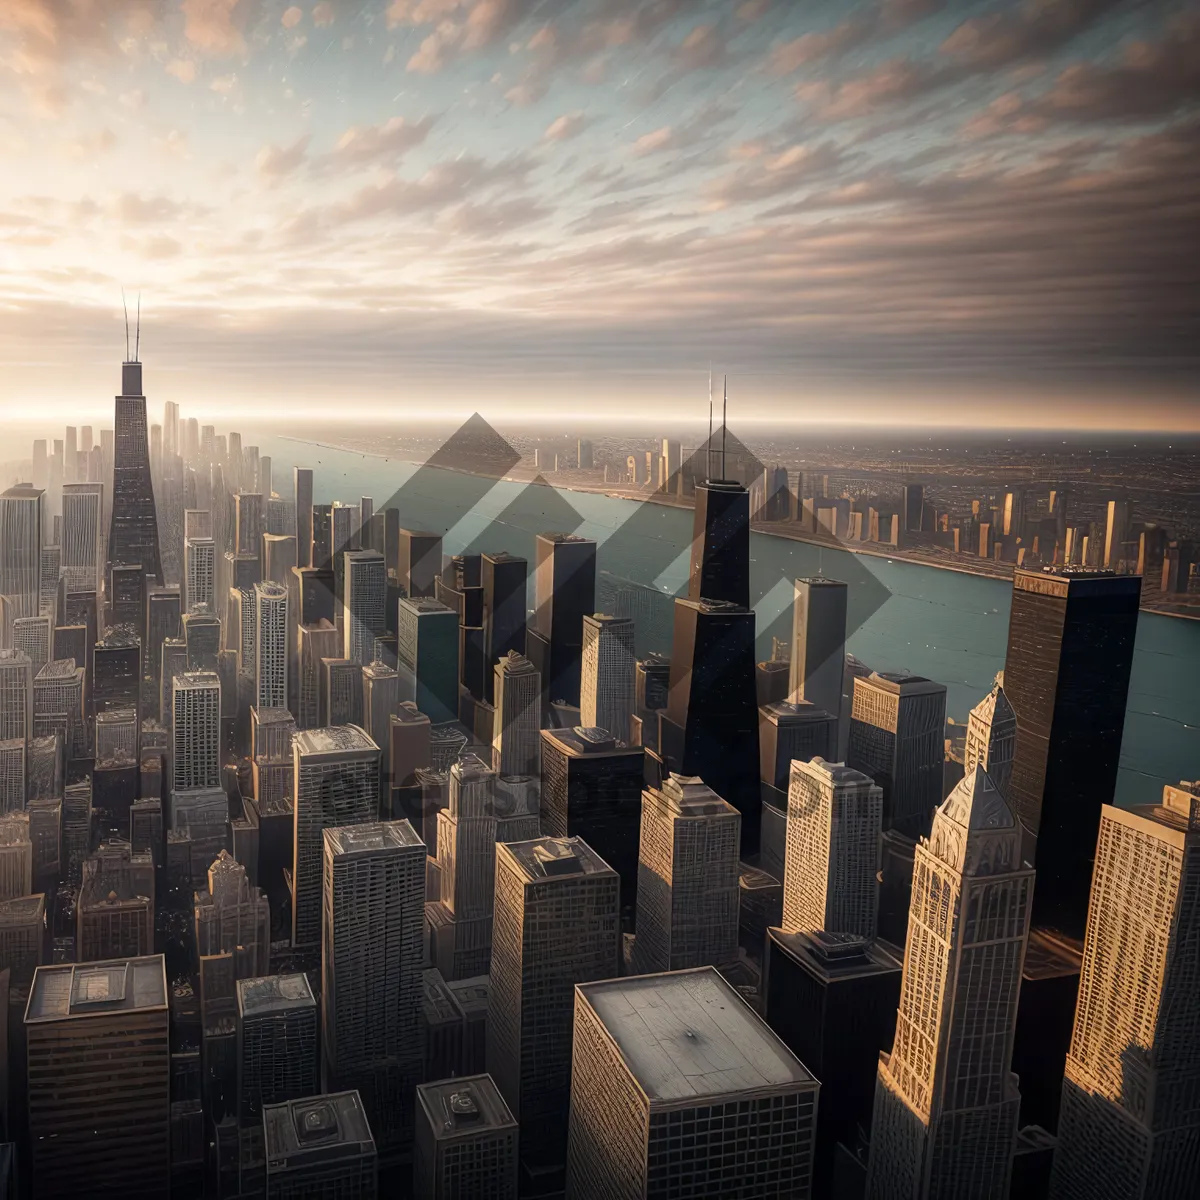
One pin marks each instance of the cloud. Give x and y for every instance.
(1033, 29)
(751, 10)
(811, 47)
(369, 144)
(184, 69)
(896, 81)
(212, 26)
(133, 99)
(323, 14)
(291, 17)
(224, 84)
(564, 128)
(277, 162)
(767, 176)
(132, 208)
(655, 141)
(459, 26)
(159, 247)
(703, 47)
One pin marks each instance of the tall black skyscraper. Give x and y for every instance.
(710, 726)
(565, 585)
(721, 543)
(504, 584)
(133, 533)
(1066, 674)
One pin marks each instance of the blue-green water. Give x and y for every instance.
(948, 626)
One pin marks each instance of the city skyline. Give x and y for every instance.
(913, 209)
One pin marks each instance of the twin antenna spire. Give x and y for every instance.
(137, 343)
(724, 411)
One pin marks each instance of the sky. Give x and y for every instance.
(901, 211)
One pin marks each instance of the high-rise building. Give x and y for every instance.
(33, 635)
(341, 692)
(319, 1146)
(316, 643)
(232, 916)
(381, 695)
(517, 730)
(364, 604)
(278, 557)
(503, 577)
(897, 736)
(830, 884)
(679, 1089)
(466, 1141)
(22, 938)
(277, 1043)
(58, 705)
(21, 519)
(16, 856)
(272, 770)
(946, 1100)
(992, 738)
(1066, 675)
(270, 645)
(202, 637)
(419, 563)
(818, 644)
(427, 646)
(565, 592)
(302, 487)
(1130, 1124)
(720, 565)
(16, 695)
(556, 926)
(133, 533)
(337, 784)
(789, 730)
(12, 775)
(115, 913)
(710, 725)
(108, 1134)
(1117, 526)
(651, 684)
(81, 539)
(372, 956)
(199, 580)
(687, 902)
(607, 674)
(196, 729)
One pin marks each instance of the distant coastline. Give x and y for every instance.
(1000, 572)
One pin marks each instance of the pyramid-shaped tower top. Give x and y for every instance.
(995, 708)
(974, 830)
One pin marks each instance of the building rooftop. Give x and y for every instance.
(515, 663)
(464, 1106)
(791, 712)
(821, 581)
(21, 491)
(66, 991)
(316, 1128)
(59, 668)
(270, 589)
(723, 608)
(372, 837)
(552, 858)
(837, 773)
(564, 539)
(23, 909)
(471, 994)
(424, 604)
(690, 796)
(589, 742)
(336, 739)
(838, 955)
(688, 1035)
(441, 1008)
(407, 713)
(274, 994)
(12, 657)
(902, 683)
(503, 556)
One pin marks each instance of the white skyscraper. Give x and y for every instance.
(200, 565)
(365, 591)
(81, 538)
(516, 738)
(992, 738)
(21, 548)
(270, 645)
(946, 1100)
(607, 679)
(834, 821)
(196, 723)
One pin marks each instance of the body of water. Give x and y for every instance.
(948, 626)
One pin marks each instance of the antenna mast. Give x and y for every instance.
(724, 410)
(709, 448)
(137, 345)
(125, 306)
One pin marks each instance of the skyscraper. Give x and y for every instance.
(199, 559)
(504, 580)
(687, 903)
(16, 856)
(16, 695)
(897, 736)
(516, 735)
(565, 592)
(319, 1146)
(337, 784)
(427, 645)
(196, 725)
(133, 533)
(607, 674)
(946, 1101)
(830, 883)
(81, 539)
(317, 642)
(115, 913)
(21, 548)
(991, 738)
(420, 562)
(277, 1043)
(818, 644)
(302, 487)
(679, 1089)
(107, 1135)
(555, 926)
(232, 916)
(720, 566)
(466, 1141)
(1066, 675)
(371, 989)
(1130, 1125)
(270, 645)
(364, 604)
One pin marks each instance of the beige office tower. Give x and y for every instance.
(371, 962)
(946, 1100)
(678, 1089)
(460, 919)
(316, 643)
(556, 925)
(1130, 1122)
(107, 1134)
(337, 783)
(516, 740)
(834, 821)
(687, 901)
(606, 696)
(992, 738)
(16, 856)
(233, 917)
